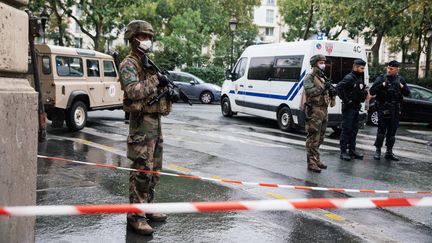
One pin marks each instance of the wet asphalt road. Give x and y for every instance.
(199, 141)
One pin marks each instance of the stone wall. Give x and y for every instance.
(18, 124)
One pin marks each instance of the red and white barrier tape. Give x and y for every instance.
(311, 188)
(203, 207)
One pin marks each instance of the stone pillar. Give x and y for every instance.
(18, 123)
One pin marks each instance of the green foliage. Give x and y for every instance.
(210, 74)
(123, 51)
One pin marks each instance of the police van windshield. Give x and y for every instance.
(338, 67)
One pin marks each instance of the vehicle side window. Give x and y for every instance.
(69, 66)
(184, 79)
(421, 94)
(261, 68)
(46, 65)
(93, 68)
(173, 76)
(287, 68)
(109, 70)
(240, 69)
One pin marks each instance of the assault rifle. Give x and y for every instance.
(332, 89)
(171, 87)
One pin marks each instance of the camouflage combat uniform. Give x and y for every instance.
(145, 142)
(317, 101)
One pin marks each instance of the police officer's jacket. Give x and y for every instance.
(392, 91)
(352, 90)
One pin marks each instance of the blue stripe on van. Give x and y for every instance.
(290, 96)
(297, 90)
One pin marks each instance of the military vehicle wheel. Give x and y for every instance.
(206, 97)
(76, 117)
(226, 107)
(285, 119)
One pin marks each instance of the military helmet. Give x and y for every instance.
(136, 27)
(316, 58)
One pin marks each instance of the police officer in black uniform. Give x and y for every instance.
(352, 91)
(389, 90)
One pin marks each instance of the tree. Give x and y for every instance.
(96, 18)
(57, 24)
(299, 17)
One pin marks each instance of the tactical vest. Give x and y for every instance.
(163, 106)
(355, 93)
(392, 92)
(323, 99)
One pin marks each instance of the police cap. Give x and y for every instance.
(316, 58)
(359, 62)
(394, 63)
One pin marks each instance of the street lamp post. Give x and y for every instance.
(44, 17)
(233, 25)
(37, 29)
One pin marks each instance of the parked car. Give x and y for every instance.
(74, 81)
(415, 108)
(195, 88)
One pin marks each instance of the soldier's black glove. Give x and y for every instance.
(332, 91)
(328, 86)
(163, 80)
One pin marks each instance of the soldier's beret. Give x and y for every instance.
(394, 63)
(359, 62)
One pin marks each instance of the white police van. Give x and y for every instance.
(268, 80)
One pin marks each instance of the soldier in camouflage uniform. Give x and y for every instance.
(317, 100)
(144, 143)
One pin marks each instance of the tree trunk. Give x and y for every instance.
(306, 33)
(375, 48)
(428, 56)
(419, 51)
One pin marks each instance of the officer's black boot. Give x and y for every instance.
(390, 155)
(378, 144)
(377, 155)
(344, 155)
(389, 152)
(355, 155)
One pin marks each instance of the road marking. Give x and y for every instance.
(111, 136)
(420, 132)
(334, 216)
(275, 195)
(89, 143)
(177, 167)
(216, 177)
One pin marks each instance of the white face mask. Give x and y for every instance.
(145, 45)
(321, 66)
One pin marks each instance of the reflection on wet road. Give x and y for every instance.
(200, 141)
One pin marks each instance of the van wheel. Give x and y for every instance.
(206, 97)
(76, 117)
(226, 107)
(285, 120)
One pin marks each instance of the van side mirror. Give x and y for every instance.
(229, 75)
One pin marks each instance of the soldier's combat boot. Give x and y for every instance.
(390, 156)
(355, 155)
(321, 165)
(314, 168)
(139, 225)
(344, 155)
(377, 155)
(156, 217)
